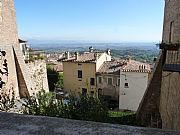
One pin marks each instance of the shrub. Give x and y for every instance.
(82, 108)
(7, 101)
(124, 118)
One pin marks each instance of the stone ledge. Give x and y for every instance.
(15, 124)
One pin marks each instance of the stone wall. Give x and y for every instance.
(170, 100)
(38, 73)
(170, 88)
(10, 80)
(14, 124)
(8, 29)
(148, 111)
(9, 40)
(171, 28)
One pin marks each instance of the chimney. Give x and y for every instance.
(91, 49)
(108, 51)
(128, 58)
(67, 55)
(96, 56)
(76, 55)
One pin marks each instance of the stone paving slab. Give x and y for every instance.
(15, 124)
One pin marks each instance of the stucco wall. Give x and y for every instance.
(104, 57)
(131, 96)
(74, 84)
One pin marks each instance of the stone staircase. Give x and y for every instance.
(24, 79)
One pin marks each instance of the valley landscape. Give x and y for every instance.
(144, 52)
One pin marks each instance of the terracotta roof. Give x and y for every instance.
(125, 66)
(111, 67)
(86, 57)
(136, 66)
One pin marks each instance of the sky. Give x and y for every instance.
(92, 20)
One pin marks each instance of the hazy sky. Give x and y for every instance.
(107, 20)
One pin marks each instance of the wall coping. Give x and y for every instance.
(13, 124)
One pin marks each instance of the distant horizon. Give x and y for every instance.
(91, 20)
(84, 41)
(87, 44)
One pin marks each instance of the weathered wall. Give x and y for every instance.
(38, 73)
(171, 15)
(109, 90)
(11, 82)
(9, 37)
(170, 88)
(8, 30)
(170, 100)
(14, 124)
(74, 84)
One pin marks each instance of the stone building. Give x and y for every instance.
(17, 77)
(160, 106)
(14, 73)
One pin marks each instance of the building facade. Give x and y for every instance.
(134, 78)
(108, 80)
(123, 81)
(15, 77)
(80, 71)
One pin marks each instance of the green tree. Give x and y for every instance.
(53, 78)
(60, 82)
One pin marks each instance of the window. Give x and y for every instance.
(84, 91)
(109, 81)
(99, 92)
(79, 73)
(92, 81)
(118, 82)
(92, 93)
(126, 85)
(100, 79)
(171, 31)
